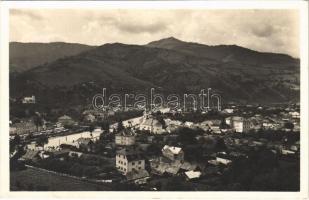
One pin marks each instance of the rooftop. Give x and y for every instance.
(174, 150)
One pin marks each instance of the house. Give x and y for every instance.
(211, 125)
(223, 159)
(173, 153)
(239, 124)
(158, 166)
(163, 165)
(151, 124)
(126, 137)
(129, 159)
(138, 176)
(66, 120)
(30, 155)
(295, 115)
(168, 121)
(89, 118)
(188, 124)
(228, 111)
(287, 152)
(173, 169)
(85, 144)
(34, 147)
(193, 174)
(75, 154)
(29, 100)
(172, 127)
(23, 127)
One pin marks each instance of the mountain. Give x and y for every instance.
(171, 66)
(224, 53)
(24, 56)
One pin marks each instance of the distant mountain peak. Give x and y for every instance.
(171, 38)
(165, 42)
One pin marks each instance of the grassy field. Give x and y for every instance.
(37, 180)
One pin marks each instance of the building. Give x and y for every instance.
(239, 124)
(193, 174)
(129, 159)
(223, 159)
(89, 118)
(29, 100)
(173, 153)
(151, 124)
(295, 115)
(66, 120)
(228, 111)
(85, 144)
(23, 127)
(125, 137)
(30, 155)
(211, 125)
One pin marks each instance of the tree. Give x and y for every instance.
(105, 125)
(220, 145)
(161, 120)
(91, 129)
(289, 125)
(120, 126)
(42, 140)
(223, 124)
(187, 136)
(38, 121)
(15, 141)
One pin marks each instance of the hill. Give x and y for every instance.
(25, 56)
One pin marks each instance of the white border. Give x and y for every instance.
(302, 6)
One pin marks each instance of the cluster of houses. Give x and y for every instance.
(172, 162)
(138, 168)
(230, 124)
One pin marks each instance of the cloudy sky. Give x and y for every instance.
(262, 30)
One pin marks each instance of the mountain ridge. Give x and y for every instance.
(240, 76)
(24, 56)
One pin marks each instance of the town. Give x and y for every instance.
(241, 147)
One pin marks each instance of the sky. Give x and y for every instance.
(262, 30)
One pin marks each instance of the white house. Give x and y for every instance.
(29, 100)
(193, 174)
(239, 124)
(128, 160)
(151, 124)
(173, 153)
(295, 115)
(223, 159)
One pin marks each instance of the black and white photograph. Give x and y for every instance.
(142, 99)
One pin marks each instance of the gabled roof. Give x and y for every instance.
(65, 117)
(174, 150)
(193, 174)
(30, 155)
(131, 154)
